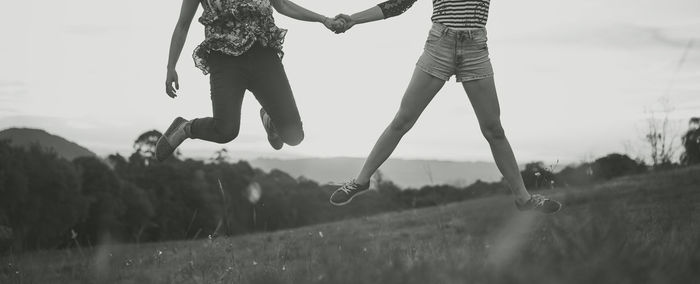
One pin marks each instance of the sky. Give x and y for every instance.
(575, 78)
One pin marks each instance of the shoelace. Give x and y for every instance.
(348, 187)
(538, 200)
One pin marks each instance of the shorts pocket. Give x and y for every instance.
(478, 46)
(434, 36)
(478, 43)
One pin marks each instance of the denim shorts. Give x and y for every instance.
(462, 53)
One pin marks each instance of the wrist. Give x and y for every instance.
(356, 18)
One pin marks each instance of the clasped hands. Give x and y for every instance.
(339, 24)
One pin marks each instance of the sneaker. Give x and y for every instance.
(272, 136)
(171, 139)
(347, 192)
(539, 203)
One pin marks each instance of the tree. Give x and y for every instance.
(220, 156)
(659, 136)
(103, 189)
(146, 143)
(691, 143)
(145, 148)
(117, 162)
(537, 176)
(576, 175)
(138, 211)
(615, 165)
(40, 195)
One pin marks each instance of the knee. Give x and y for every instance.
(292, 136)
(226, 135)
(403, 122)
(493, 131)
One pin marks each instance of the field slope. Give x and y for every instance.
(638, 229)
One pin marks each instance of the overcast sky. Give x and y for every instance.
(574, 77)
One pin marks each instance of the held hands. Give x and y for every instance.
(340, 23)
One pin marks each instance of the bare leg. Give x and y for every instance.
(482, 94)
(419, 93)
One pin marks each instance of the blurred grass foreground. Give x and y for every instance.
(635, 229)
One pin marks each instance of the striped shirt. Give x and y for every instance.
(451, 13)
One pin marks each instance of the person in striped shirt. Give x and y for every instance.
(456, 45)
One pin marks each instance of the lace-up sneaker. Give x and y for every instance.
(539, 203)
(347, 192)
(171, 139)
(272, 136)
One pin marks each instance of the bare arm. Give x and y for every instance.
(187, 11)
(292, 10)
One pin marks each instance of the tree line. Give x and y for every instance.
(48, 202)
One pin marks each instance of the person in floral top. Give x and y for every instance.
(242, 50)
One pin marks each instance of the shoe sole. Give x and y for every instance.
(262, 111)
(348, 201)
(539, 211)
(558, 209)
(174, 126)
(555, 211)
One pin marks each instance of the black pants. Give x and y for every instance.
(259, 70)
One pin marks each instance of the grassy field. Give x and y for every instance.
(639, 229)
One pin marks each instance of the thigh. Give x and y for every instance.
(484, 100)
(271, 88)
(228, 85)
(421, 90)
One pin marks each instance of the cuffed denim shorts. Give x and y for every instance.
(462, 53)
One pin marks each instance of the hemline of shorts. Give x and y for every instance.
(427, 70)
(473, 78)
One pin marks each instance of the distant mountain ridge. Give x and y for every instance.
(24, 137)
(405, 173)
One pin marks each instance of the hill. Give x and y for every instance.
(637, 229)
(405, 173)
(24, 137)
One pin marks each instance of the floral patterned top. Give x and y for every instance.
(232, 26)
